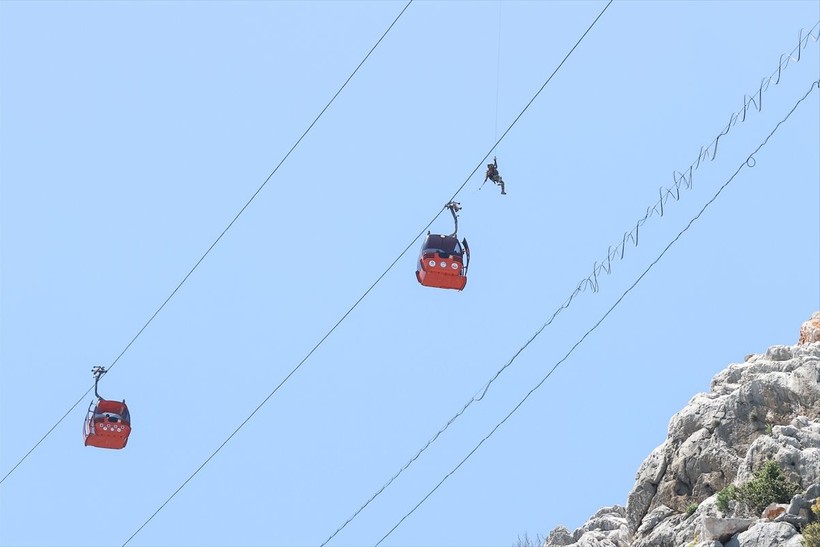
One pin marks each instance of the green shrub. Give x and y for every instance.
(690, 509)
(811, 535)
(769, 485)
(725, 496)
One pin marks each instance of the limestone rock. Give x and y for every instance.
(722, 529)
(606, 528)
(810, 330)
(796, 449)
(654, 518)
(559, 537)
(776, 534)
(765, 408)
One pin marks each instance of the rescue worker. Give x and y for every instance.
(493, 175)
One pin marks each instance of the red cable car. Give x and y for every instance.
(108, 423)
(443, 261)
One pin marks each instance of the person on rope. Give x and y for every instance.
(493, 175)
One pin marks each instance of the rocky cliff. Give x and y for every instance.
(767, 408)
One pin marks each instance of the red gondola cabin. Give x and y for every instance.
(107, 424)
(443, 262)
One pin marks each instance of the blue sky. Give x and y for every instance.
(134, 132)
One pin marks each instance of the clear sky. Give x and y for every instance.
(134, 132)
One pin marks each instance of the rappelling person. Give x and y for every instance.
(493, 175)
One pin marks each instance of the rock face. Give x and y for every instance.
(810, 330)
(767, 408)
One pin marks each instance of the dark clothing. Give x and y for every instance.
(493, 175)
(492, 172)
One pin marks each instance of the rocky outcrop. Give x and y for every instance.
(810, 330)
(606, 528)
(775, 534)
(767, 408)
(723, 529)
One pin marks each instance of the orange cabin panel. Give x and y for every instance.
(442, 273)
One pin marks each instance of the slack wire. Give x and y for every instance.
(217, 240)
(748, 162)
(709, 151)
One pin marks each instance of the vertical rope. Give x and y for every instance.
(497, 73)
